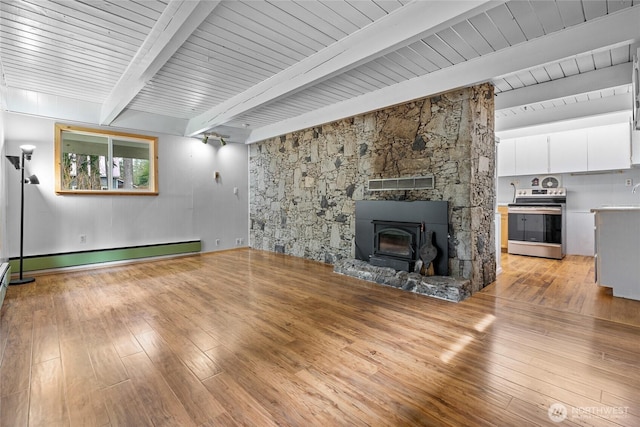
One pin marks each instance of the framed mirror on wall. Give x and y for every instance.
(97, 161)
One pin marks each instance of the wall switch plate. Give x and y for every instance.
(235, 190)
(217, 242)
(628, 182)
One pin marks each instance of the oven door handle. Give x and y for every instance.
(540, 210)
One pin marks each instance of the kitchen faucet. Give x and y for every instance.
(635, 188)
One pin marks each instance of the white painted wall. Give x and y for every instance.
(191, 204)
(4, 168)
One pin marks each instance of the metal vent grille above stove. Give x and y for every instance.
(426, 182)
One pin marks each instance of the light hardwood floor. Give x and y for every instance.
(260, 339)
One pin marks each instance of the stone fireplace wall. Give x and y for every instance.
(303, 185)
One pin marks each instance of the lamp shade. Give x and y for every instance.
(32, 180)
(27, 149)
(15, 161)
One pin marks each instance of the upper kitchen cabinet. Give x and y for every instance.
(527, 155)
(532, 155)
(609, 147)
(507, 157)
(568, 151)
(583, 150)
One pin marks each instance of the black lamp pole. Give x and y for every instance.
(22, 280)
(26, 155)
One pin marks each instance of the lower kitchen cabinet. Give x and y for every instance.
(580, 233)
(617, 234)
(504, 227)
(635, 147)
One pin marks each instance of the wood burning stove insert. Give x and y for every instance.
(425, 221)
(396, 244)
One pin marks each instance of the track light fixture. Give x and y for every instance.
(206, 136)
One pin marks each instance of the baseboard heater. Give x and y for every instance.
(98, 256)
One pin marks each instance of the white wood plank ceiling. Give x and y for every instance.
(256, 69)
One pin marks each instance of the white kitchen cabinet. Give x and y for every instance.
(532, 155)
(580, 237)
(507, 157)
(617, 255)
(582, 150)
(568, 151)
(635, 147)
(609, 147)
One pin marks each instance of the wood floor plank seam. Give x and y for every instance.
(251, 337)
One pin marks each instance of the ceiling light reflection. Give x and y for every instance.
(482, 325)
(456, 348)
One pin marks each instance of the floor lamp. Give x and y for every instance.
(27, 151)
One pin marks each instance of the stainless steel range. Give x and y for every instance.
(537, 223)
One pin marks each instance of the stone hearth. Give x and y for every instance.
(443, 287)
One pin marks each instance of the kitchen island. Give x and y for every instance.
(617, 246)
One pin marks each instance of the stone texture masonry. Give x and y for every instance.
(447, 288)
(303, 185)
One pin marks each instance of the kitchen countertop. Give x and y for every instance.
(621, 208)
